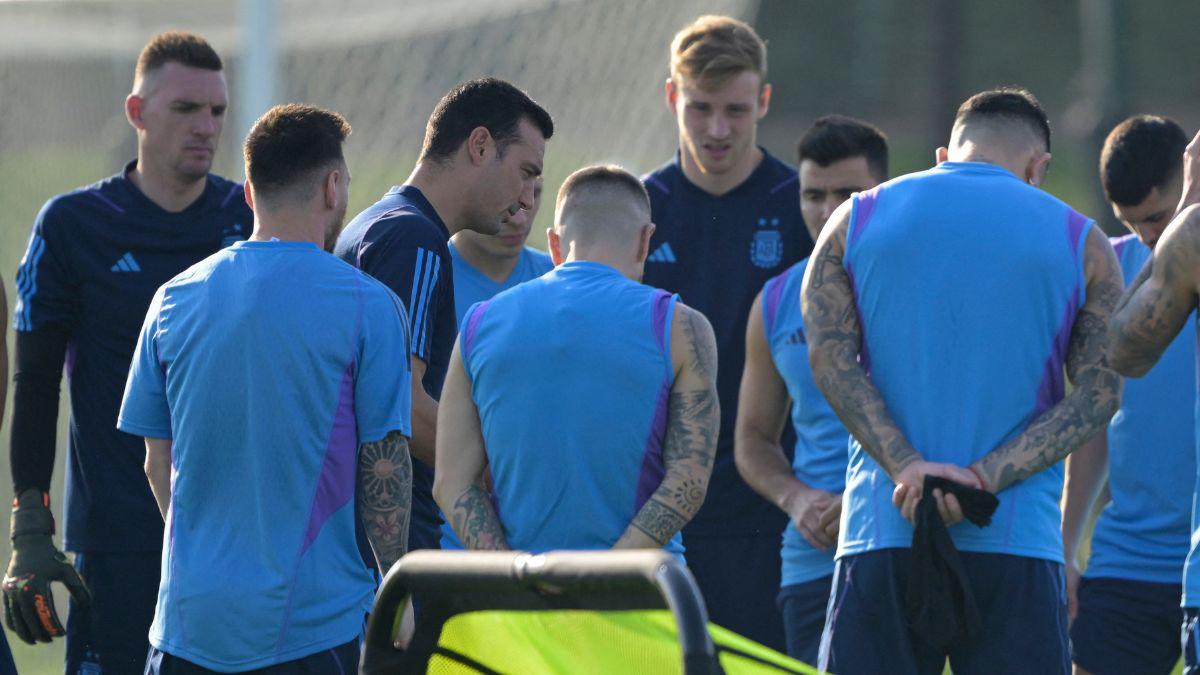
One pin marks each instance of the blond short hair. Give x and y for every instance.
(712, 49)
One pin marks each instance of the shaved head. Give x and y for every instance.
(602, 206)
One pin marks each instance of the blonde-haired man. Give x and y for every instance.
(728, 219)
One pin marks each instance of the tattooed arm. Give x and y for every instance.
(762, 412)
(461, 461)
(385, 496)
(1096, 392)
(693, 419)
(1158, 302)
(834, 344)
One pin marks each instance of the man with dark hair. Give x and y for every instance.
(838, 156)
(591, 346)
(483, 152)
(94, 260)
(727, 221)
(1158, 304)
(954, 368)
(261, 489)
(1125, 611)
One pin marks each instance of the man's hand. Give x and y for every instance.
(910, 484)
(1073, 577)
(806, 508)
(28, 604)
(1191, 175)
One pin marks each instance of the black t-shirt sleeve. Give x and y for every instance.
(410, 257)
(38, 373)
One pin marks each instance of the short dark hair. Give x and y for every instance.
(188, 49)
(602, 176)
(1014, 103)
(486, 102)
(1140, 154)
(836, 137)
(289, 144)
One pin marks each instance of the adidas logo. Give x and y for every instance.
(126, 264)
(662, 254)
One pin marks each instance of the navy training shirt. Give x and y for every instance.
(95, 259)
(401, 241)
(717, 253)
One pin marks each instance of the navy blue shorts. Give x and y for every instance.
(1126, 626)
(111, 635)
(341, 660)
(739, 579)
(803, 608)
(1022, 601)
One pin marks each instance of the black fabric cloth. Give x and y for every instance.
(39, 367)
(939, 603)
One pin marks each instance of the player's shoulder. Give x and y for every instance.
(228, 194)
(663, 180)
(779, 177)
(104, 197)
(406, 224)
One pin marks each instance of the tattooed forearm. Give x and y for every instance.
(834, 345)
(475, 521)
(690, 442)
(1097, 388)
(385, 496)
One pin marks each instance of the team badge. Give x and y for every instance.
(766, 250)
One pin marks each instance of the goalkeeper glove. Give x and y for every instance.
(28, 604)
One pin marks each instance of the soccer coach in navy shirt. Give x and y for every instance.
(481, 158)
(95, 259)
(728, 219)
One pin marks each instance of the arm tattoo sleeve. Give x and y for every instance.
(385, 496)
(1090, 405)
(693, 420)
(835, 342)
(475, 521)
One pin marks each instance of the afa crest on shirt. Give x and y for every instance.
(766, 249)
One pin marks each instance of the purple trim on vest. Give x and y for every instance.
(1051, 389)
(473, 326)
(864, 208)
(1119, 243)
(1075, 224)
(771, 302)
(784, 184)
(653, 470)
(658, 320)
(229, 197)
(648, 178)
(98, 195)
(864, 355)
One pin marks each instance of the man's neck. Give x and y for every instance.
(284, 228)
(167, 192)
(496, 268)
(439, 188)
(718, 184)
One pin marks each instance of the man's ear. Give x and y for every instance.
(555, 244)
(940, 155)
(248, 190)
(133, 111)
(1035, 171)
(764, 100)
(644, 242)
(479, 144)
(671, 94)
(332, 180)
